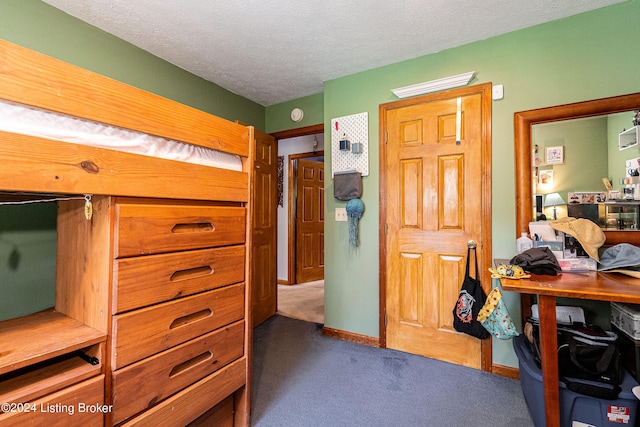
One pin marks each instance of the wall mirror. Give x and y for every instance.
(533, 122)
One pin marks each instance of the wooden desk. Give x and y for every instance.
(593, 286)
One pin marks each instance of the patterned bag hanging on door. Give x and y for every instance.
(470, 299)
(495, 317)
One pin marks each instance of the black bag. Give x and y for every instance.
(585, 355)
(470, 300)
(589, 360)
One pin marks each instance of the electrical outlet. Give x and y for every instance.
(341, 214)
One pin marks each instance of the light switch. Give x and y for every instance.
(341, 214)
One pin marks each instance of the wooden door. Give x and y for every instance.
(264, 288)
(310, 221)
(437, 182)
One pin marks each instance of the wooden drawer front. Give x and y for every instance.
(79, 405)
(184, 406)
(143, 384)
(142, 281)
(220, 415)
(141, 333)
(151, 229)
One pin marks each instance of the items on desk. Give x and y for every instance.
(622, 258)
(578, 265)
(556, 247)
(588, 234)
(508, 271)
(542, 231)
(523, 243)
(543, 235)
(574, 242)
(537, 261)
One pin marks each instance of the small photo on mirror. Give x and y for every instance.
(545, 176)
(555, 155)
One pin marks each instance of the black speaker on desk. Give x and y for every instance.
(588, 211)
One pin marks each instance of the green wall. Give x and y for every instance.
(575, 59)
(278, 117)
(27, 258)
(38, 26)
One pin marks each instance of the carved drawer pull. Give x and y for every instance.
(191, 273)
(197, 227)
(178, 369)
(191, 318)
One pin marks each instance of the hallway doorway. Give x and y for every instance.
(301, 299)
(290, 152)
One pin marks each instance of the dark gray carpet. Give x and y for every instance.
(301, 378)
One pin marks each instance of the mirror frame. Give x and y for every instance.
(524, 120)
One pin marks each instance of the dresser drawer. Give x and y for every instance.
(220, 415)
(81, 404)
(150, 229)
(143, 384)
(181, 408)
(141, 333)
(146, 280)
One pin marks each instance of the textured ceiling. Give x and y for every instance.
(276, 51)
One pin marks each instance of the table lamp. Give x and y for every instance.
(553, 199)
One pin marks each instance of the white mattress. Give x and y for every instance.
(30, 121)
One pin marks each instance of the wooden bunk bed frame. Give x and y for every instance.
(126, 189)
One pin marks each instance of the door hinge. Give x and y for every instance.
(386, 136)
(386, 229)
(385, 320)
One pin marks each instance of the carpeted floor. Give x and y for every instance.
(304, 301)
(303, 379)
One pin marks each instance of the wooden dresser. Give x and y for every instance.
(158, 286)
(178, 304)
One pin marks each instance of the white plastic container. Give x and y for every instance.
(523, 243)
(575, 409)
(626, 317)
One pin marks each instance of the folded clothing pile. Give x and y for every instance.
(537, 261)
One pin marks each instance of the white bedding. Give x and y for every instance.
(30, 121)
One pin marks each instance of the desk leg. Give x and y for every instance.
(549, 350)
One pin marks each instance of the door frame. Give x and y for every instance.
(286, 134)
(485, 245)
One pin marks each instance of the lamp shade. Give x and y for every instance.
(553, 199)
